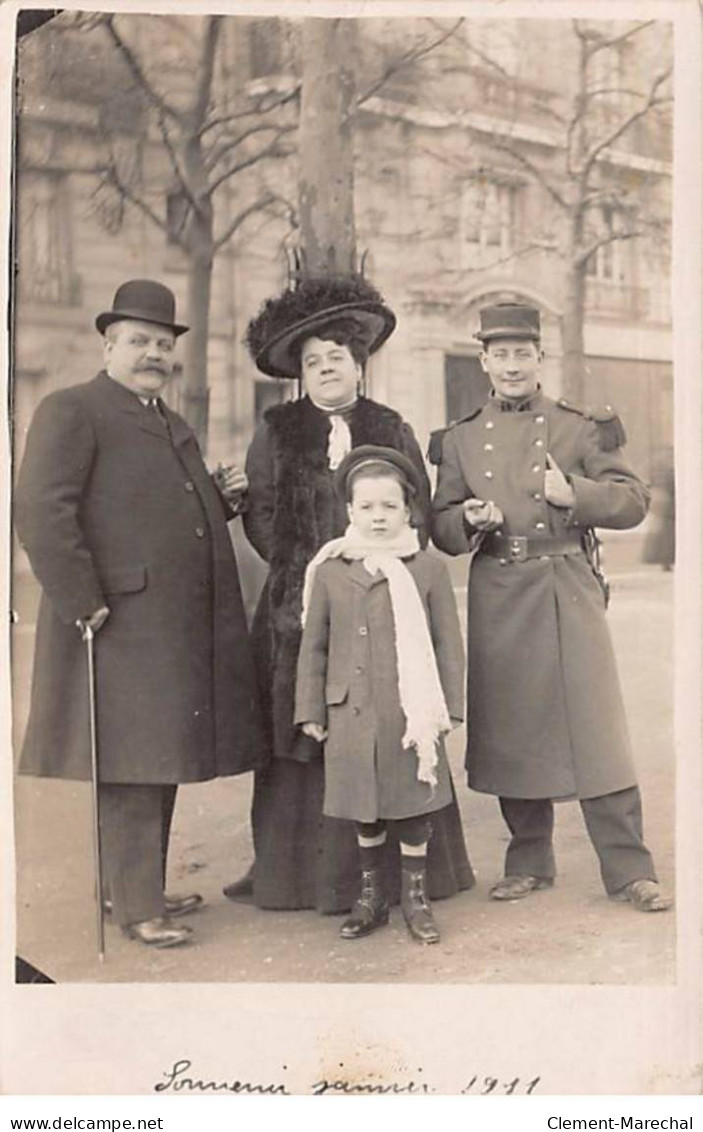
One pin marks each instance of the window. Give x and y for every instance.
(487, 222)
(44, 239)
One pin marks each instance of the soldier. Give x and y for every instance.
(524, 480)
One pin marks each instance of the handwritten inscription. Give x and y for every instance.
(178, 1079)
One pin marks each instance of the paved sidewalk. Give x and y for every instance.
(571, 934)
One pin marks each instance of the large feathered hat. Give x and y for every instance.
(275, 334)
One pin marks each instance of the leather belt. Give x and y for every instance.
(518, 548)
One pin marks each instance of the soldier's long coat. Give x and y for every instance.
(115, 508)
(348, 682)
(545, 713)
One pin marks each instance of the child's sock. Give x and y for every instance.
(372, 850)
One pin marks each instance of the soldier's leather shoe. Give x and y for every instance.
(645, 895)
(242, 889)
(371, 909)
(415, 906)
(173, 905)
(515, 888)
(159, 932)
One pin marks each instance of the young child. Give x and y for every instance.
(380, 681)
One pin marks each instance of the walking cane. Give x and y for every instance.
(88, 635)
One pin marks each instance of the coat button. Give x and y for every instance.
(539, 443)
(490, 424)
(488, 448)
(539, 419)
(536, 467)
(503, 561)
(488, 475)
(359, 668)
(537, 495)
(356, 710)
(540, 526)
(200, 532)
(189, 485)
(363, 631)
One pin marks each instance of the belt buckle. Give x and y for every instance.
(517, 548)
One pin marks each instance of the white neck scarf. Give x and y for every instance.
(339, 442)
(421, 696)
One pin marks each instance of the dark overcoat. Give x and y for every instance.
(303, 859)
(348, 682)
(545, 713)
(115, 507)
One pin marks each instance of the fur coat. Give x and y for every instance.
(293, 509)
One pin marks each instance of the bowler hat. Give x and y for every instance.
(144, 300)
(509, 320)
(370, 454)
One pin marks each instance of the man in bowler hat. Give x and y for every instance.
(127, 532)
(527, 478)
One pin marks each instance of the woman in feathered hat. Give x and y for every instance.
(320, 334)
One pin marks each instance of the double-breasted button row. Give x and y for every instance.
(363, 631)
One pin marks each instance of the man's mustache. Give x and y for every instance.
(151, 368)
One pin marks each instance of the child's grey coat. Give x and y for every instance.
(348, 682)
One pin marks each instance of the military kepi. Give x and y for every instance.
(144, 300)
(509, 320)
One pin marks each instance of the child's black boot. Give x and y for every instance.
(371, 909)
(415, 903)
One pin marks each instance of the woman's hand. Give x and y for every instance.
(315, 731)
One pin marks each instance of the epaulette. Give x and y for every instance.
(611, 431)
(434, 450)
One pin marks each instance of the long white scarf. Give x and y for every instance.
(421, 696)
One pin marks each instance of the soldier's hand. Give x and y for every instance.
(315, 731)
(232, 482)
(95, 621)
(557, 489)
(483, 515)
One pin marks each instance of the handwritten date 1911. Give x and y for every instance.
(486, 1085)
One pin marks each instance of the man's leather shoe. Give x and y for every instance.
(242, 889)
(159, 932)
(645, 895)
(173, 905)
(515, 888)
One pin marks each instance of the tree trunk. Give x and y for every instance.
(574, 373)
(195, 386)
(326, 188)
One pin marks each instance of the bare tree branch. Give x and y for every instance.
(135, 67)
(610, 138)
(534, 169)
(604, 43)
(219, 152)
(260, 108)
(271, 150)
(410, 57)
(256, 206)
(114, 178)
(179, 171)
(611, 238)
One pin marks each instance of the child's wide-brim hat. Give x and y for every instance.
(367, 455)
(275, 334)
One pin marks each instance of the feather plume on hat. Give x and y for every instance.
(318, 301)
